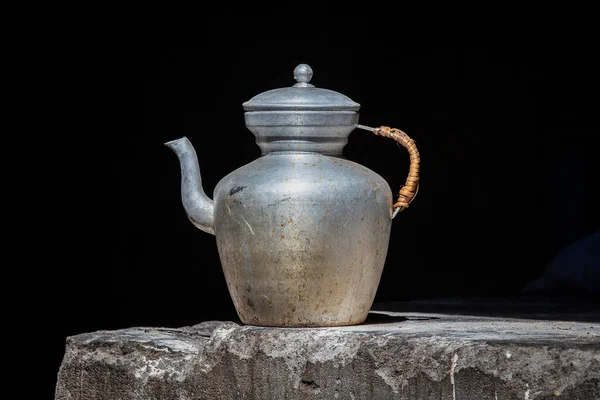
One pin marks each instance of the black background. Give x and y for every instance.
(507, 134)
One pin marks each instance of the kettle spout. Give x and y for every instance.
(198, 206)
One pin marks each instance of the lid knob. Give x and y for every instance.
(303, 74)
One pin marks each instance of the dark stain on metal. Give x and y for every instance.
(236, 189)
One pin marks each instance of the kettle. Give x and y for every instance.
(302, 232)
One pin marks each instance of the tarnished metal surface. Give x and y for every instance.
(302, 233)
(302, 239)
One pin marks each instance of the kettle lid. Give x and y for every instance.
(301, 117)
(303, 96)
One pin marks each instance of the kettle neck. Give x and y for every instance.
(324, 132)
(328, 148)
(304, 153)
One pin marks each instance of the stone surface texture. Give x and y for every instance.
(398, 356)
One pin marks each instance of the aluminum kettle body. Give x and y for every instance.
(302, 239)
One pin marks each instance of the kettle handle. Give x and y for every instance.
(410, 189)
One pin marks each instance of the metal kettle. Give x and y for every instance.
(302, 233)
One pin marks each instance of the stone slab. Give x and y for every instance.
(395, 355)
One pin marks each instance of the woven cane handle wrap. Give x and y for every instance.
(411, 187)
